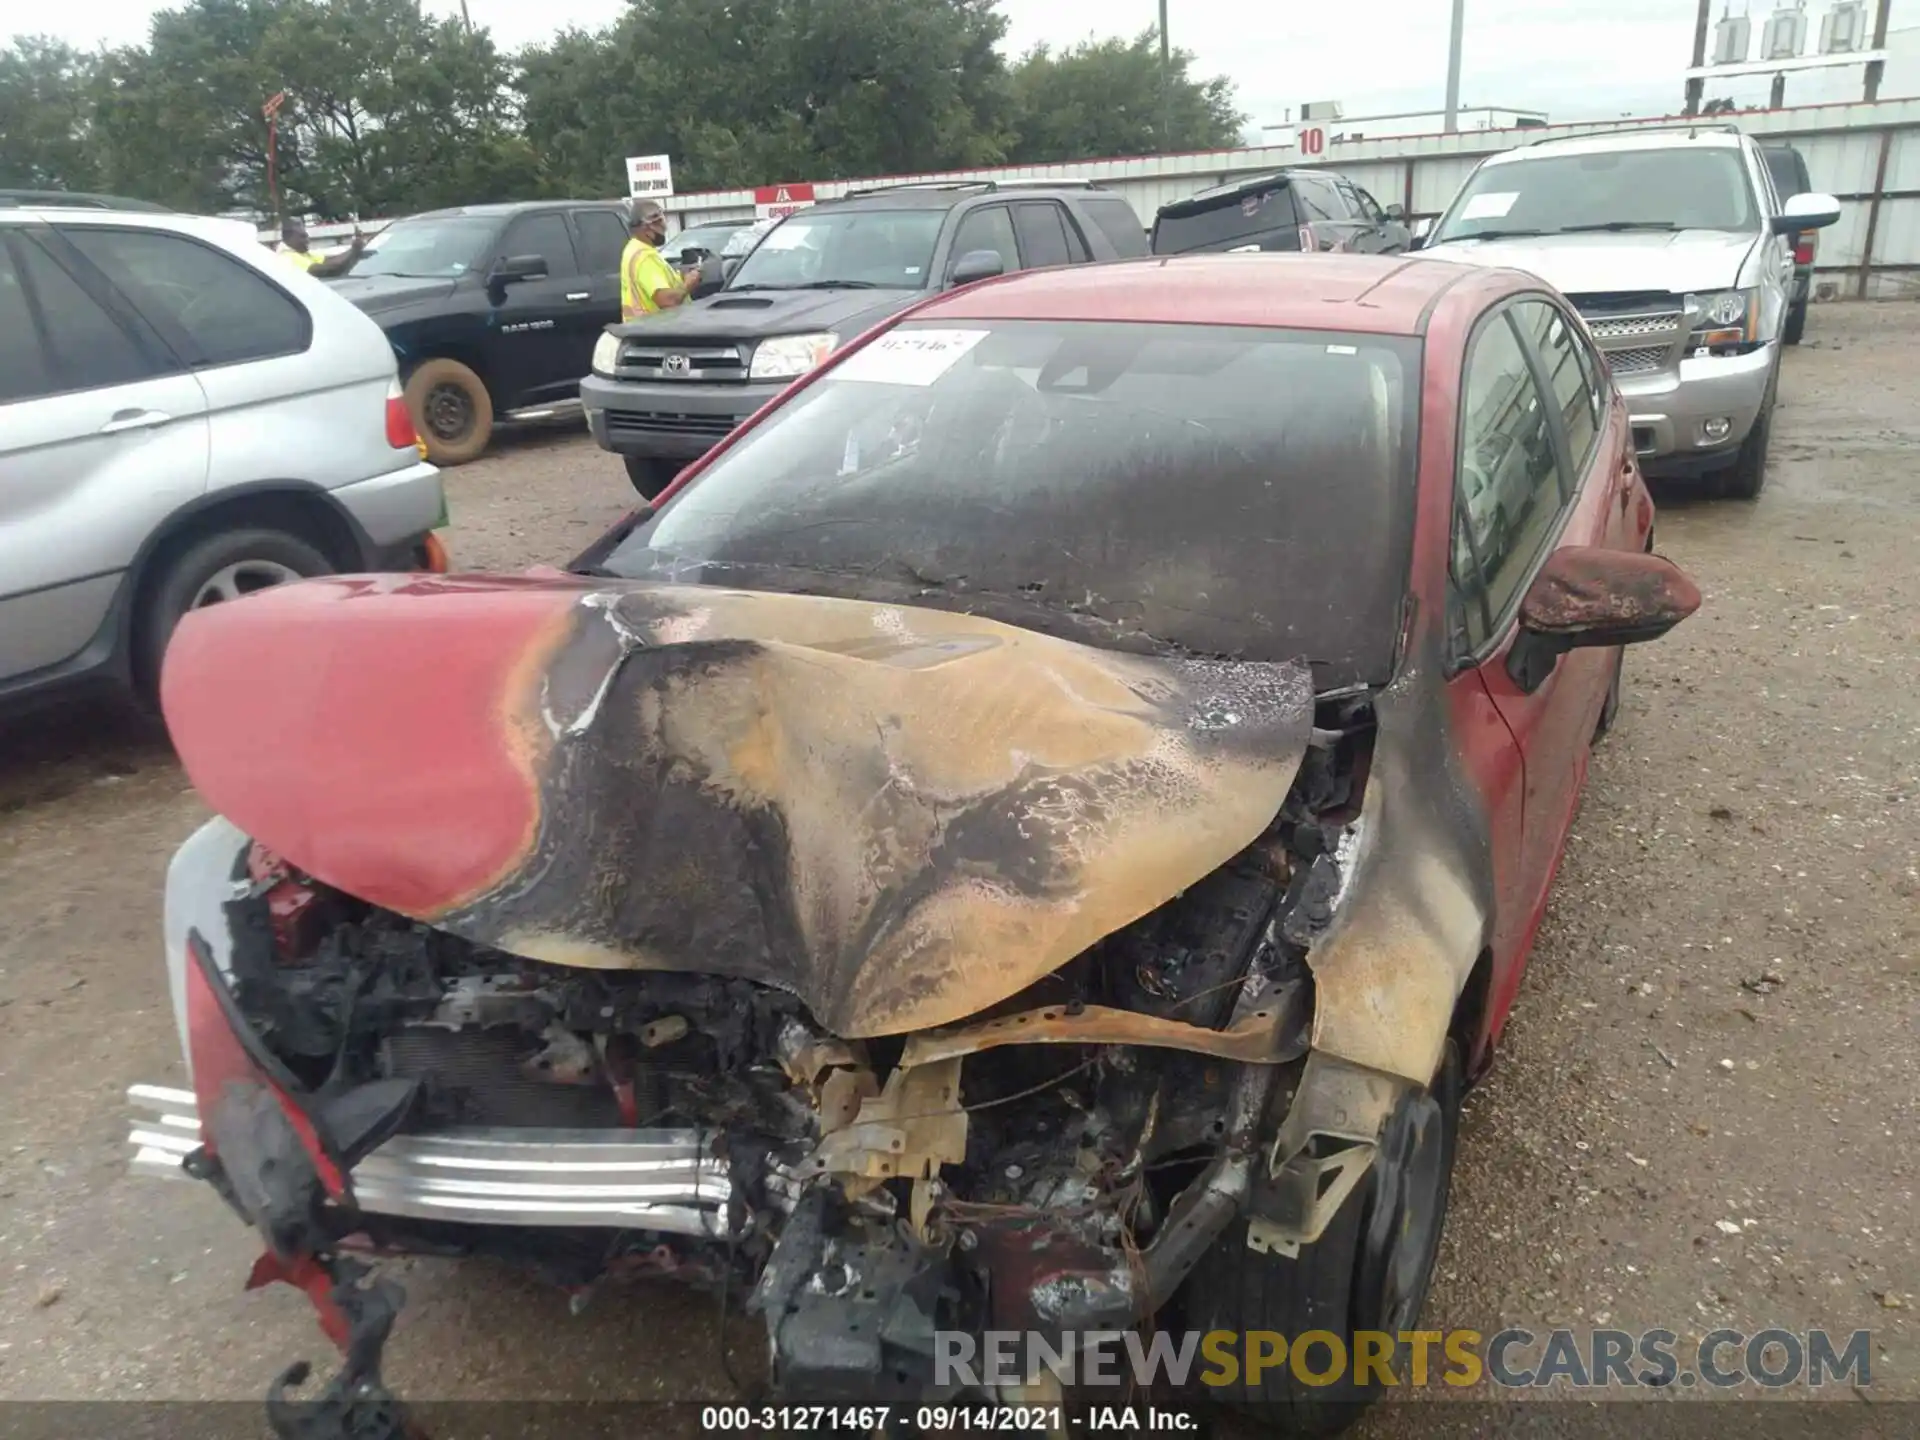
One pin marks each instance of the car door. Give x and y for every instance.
(1047, 234)
(273, 414)
(1384, 234)
(600, 237)
(103, 432)
(536, 325)
(988, 227)
(1323, 214)
(1535, 446)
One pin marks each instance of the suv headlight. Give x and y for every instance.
(606, 353)
(1723, 322)
(786, 357)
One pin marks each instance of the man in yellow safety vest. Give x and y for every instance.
(293, 249)
(648, 284)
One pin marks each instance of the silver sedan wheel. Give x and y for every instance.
(243, 577)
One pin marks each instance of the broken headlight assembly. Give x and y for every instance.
(1722, 322)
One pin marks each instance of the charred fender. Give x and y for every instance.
(902, 816)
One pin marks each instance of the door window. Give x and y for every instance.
(1507, 486)
(26, 370)
(988, 228)
(1576, 396)
(1042, 227)
(87, 347)
(1369, 207)
(1318, 200)
(545, 235)
(214, 308)
(602, 238)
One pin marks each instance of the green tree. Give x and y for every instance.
(1103, 97)
(46, 116)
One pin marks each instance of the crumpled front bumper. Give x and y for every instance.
(666, 1180)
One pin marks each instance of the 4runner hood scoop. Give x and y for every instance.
(902, 816)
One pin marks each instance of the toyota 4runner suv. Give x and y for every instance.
(664, 390)
(1673, 246)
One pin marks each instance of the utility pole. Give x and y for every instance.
(1697, 84)
(1453, 64)
(1876, 68)
(466, 19)
(1166, 84)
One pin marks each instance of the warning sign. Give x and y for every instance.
(776, 202)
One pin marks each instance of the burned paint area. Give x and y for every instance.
(900, 816)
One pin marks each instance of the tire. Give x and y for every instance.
(1610, 709)
(1343, 1282)
(650, 477)
(1796, 326)
(451, 411)
(1747, 476)
(235, 561)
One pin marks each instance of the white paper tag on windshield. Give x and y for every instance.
(786, 237)
(1492, 206)
(909, 357)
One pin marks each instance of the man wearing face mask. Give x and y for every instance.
(648, 284)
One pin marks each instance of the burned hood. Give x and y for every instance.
(902, 816)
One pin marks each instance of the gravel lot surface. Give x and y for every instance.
(1704, 1113)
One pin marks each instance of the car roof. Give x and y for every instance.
(1264, 179)
(500, 208)
(1615, 141)
(944, 195)
(209, 227)
(78, 200)
(1369, 294)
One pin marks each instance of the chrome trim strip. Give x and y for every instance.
(667, 1180)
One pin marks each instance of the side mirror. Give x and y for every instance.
(519, 267)
(976, 265)
(1811, 211)
(1587, 595)
(1396, 213)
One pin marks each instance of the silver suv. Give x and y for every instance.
(1672, 244)
(184, 417)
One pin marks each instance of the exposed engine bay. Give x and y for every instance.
(1057, 1163)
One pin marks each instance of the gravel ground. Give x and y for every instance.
(1703, 1115)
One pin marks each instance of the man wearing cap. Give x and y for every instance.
(648, 284)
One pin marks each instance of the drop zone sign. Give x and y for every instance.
(649, 176)
(776, 202)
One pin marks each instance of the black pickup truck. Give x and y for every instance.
(491, 309)
(665, 389)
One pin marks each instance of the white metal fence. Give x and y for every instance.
(1868, 155)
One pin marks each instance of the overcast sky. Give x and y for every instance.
(1374, 56)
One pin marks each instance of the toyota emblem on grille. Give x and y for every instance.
(676, 364)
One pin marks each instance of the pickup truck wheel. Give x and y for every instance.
(226, 565)
(650, 477)
(1369, 1270)
(1796, 327)
(451, 411)
(1747, 476)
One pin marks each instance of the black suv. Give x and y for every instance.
(490, 309)
(1282, 210)
(665, 389)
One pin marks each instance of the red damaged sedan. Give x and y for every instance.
(1036, 833)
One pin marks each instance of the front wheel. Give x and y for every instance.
(1796, 327)
(1369, 1272)
(224, 566)
(649, 477)
(1747, 476)
(451, 411)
